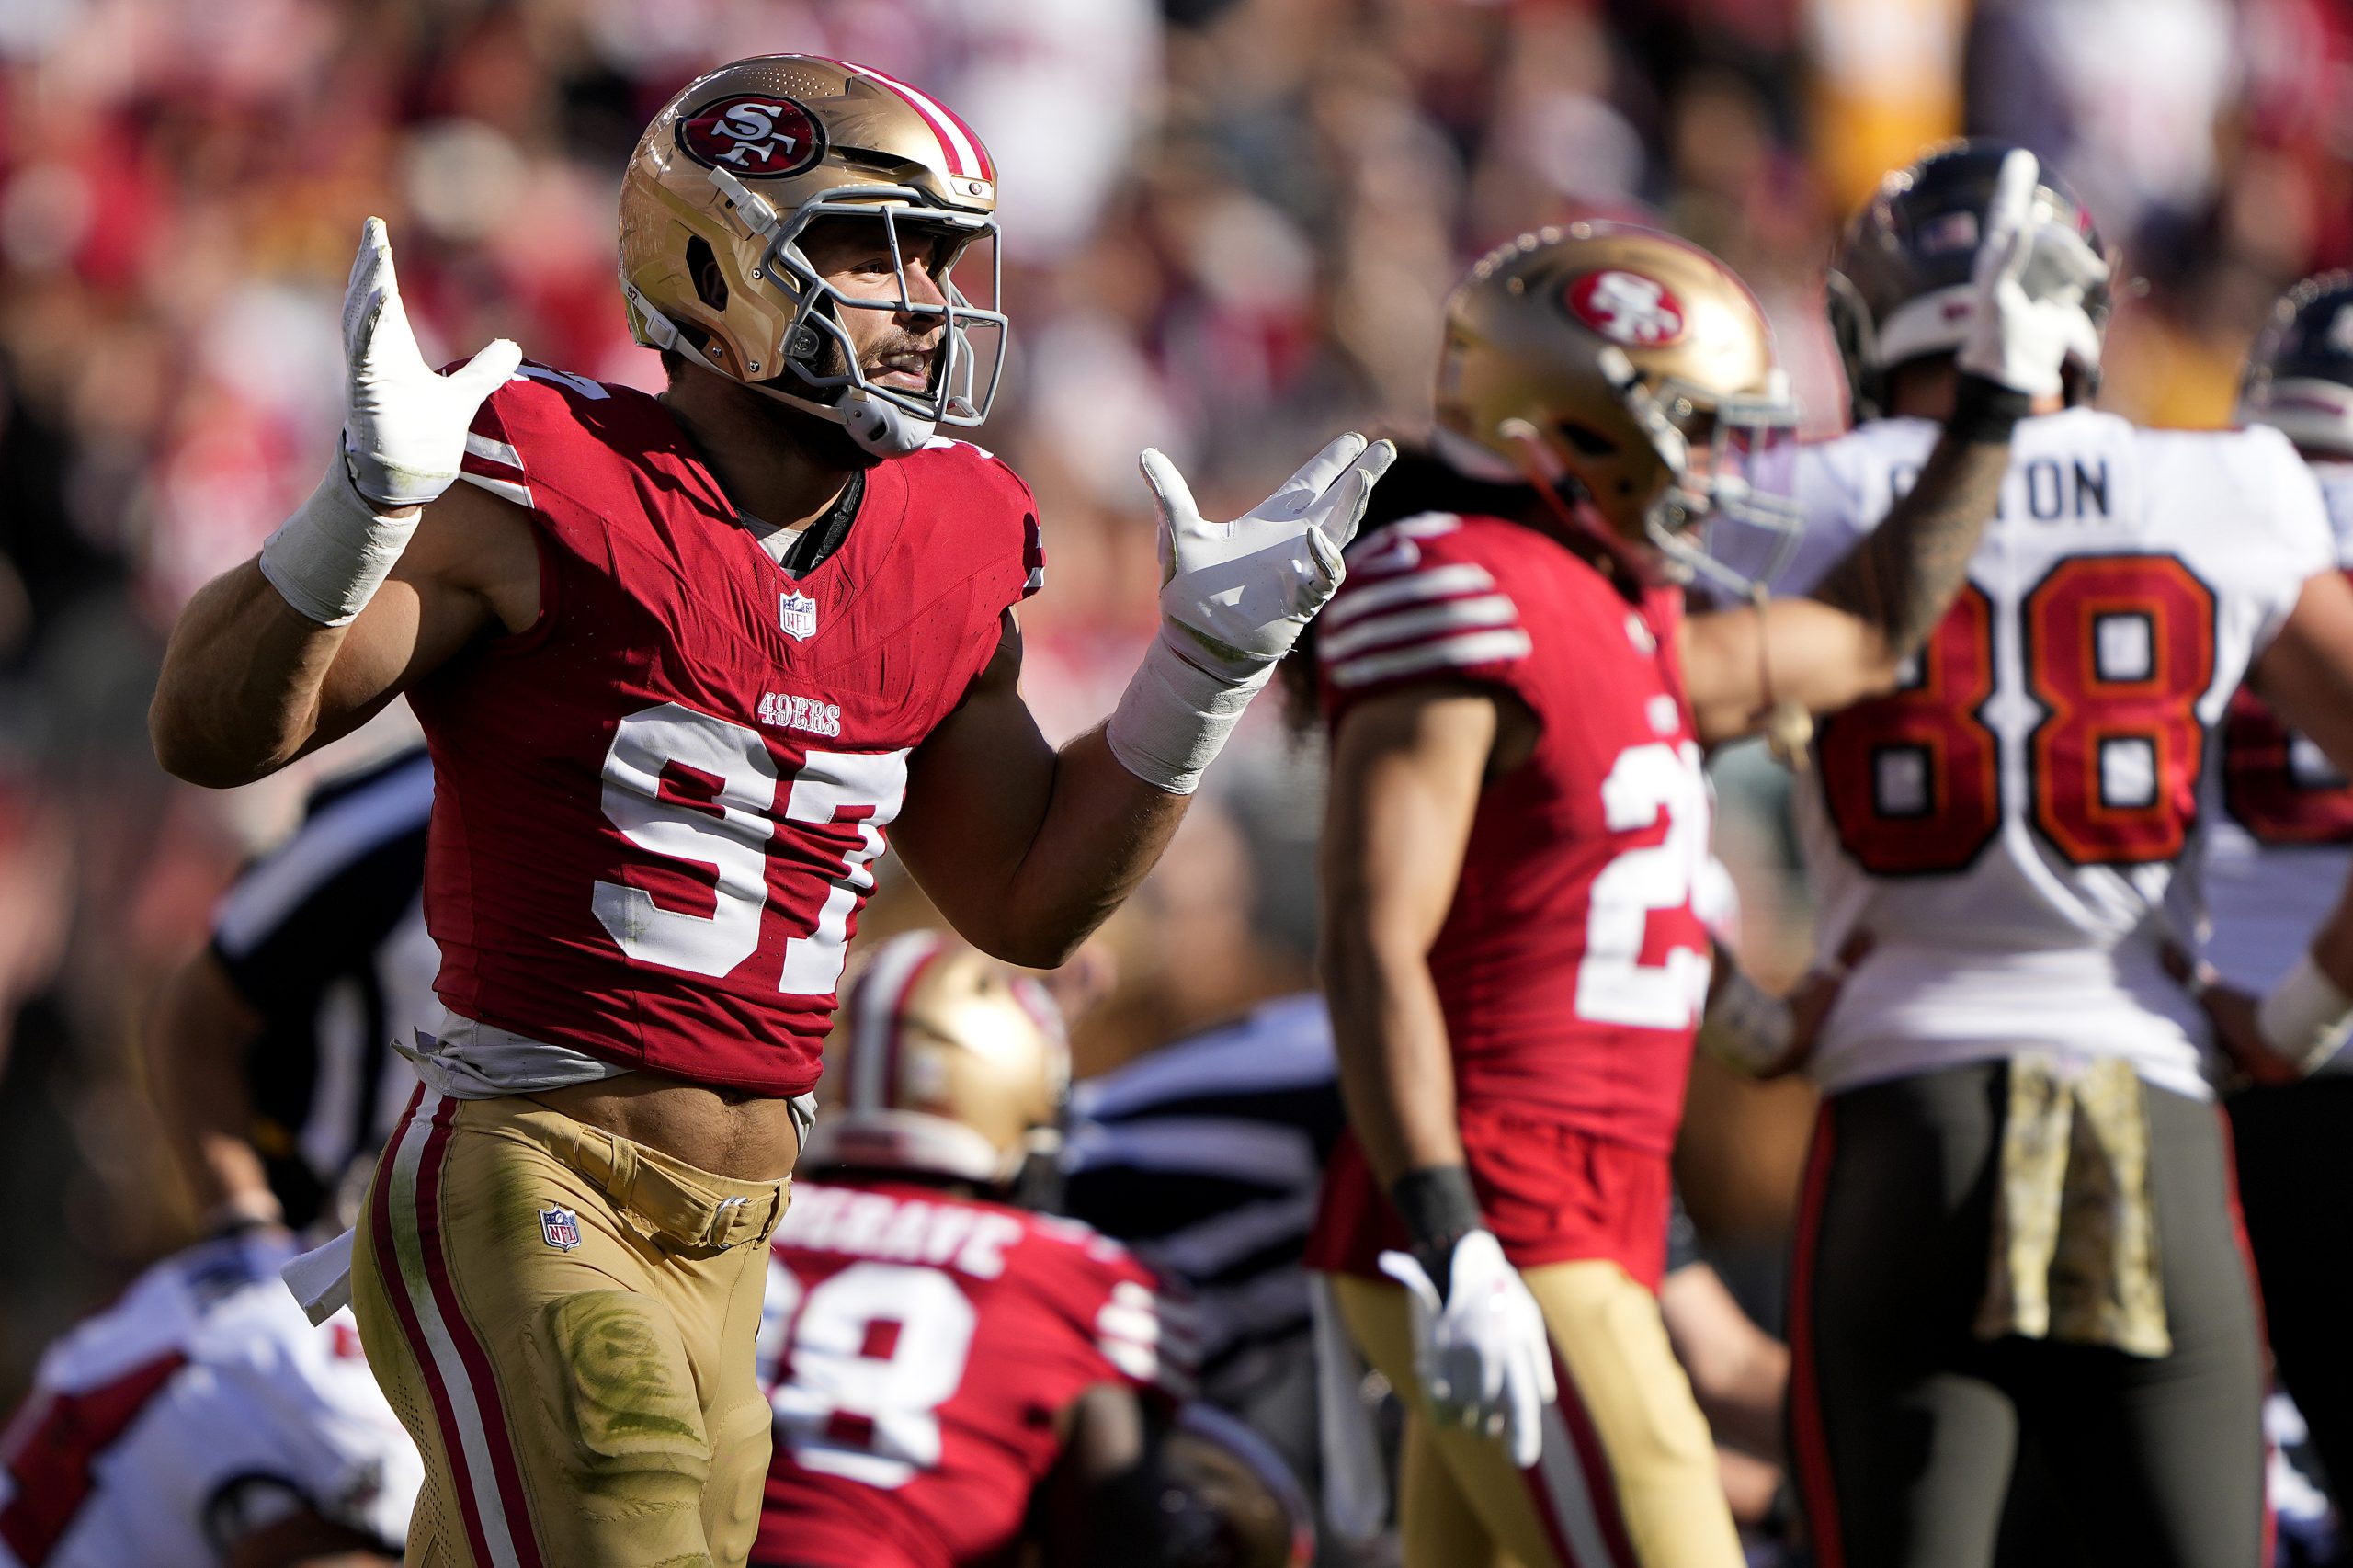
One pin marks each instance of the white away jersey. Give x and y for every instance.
(2277, 819)
(144, 1421)
(2006, 826)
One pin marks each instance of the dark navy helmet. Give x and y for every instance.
(1900, 289)
(2300, 378)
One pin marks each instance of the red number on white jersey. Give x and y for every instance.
(2116, 651)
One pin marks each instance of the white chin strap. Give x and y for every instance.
(875, 423)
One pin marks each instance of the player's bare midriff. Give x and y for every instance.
(744, 1140)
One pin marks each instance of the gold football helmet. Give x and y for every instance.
(735, 170)
(1634, 363)
(946, 1062)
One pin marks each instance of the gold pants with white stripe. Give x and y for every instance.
(1627, 1478)
(565, 1321)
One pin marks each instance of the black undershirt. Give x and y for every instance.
(811, 547)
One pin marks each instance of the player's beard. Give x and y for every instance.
(825, 440)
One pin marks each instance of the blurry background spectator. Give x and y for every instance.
(1230, 224)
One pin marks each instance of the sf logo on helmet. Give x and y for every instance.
(763, 138)
(1626, 307)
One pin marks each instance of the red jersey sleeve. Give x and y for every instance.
(1423, 600)
(1134, 1327)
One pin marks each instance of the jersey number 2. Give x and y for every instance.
(2116, 651)
(1647, 783)
(691, 788)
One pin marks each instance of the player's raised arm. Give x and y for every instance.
(374, 581)
(1027, 866)
(1849, 637)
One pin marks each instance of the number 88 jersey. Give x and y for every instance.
(2007, 825)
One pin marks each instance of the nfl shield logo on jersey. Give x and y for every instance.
(560, 1228)
(797, 613)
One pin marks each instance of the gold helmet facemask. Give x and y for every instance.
(744, 160)
(1635, 365)
(946, 1062)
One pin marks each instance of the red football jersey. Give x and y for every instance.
(1571, 969)
(655, 809)
(919, 1348)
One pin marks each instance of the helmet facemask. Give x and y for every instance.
(1723, 458)
(817, 367)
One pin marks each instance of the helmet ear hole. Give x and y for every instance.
(711, 283)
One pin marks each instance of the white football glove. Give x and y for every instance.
(2019, 339)
(1232, 599)
(403, 437)
(1481, 1351)
(404, 427)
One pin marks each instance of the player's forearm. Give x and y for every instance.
(1102, 830)
(1901, 578)
(238, 696)
(1396, 1073)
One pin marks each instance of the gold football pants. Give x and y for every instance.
(564, 1322)
(1627, 1478)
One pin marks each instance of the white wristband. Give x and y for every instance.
(2305, 1017)
(1744, 1027)
(1174, 718)
(331, 556)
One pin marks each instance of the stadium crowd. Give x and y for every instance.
(1229, 225)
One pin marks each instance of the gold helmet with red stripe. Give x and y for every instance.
(735, 170)
(946, 1062)
(1627, 368)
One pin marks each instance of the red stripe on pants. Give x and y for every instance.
(516, 1502)
(388, 1265)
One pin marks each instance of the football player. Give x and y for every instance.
(199, 1420)
(680, 662)
(2018, 1227)
(950, 1372)
(1517, 823)
(2277, 827)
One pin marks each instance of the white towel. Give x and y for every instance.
(320, 1278)
(1355, 1486)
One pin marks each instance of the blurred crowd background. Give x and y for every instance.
(1229, 227)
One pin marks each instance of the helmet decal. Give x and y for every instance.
(753, 136)
(1626, 307)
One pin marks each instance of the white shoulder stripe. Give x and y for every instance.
(1445, 653)
(1451, 615)
(1438, 582)
(493, 451)
(504, 489)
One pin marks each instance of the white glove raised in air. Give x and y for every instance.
(404, 427)
(1232, 599)
(2027, 288)
(403, 437)
(1481, 1350)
